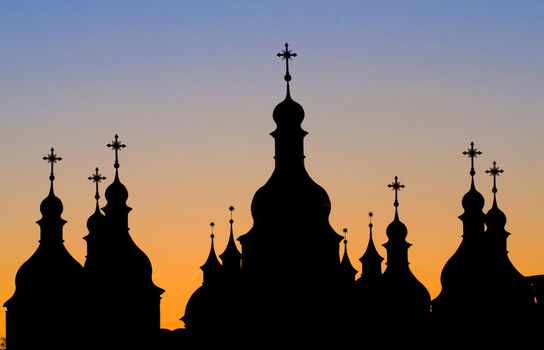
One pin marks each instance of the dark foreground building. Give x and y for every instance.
(287, 285)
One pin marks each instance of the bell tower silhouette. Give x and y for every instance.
(290, 257)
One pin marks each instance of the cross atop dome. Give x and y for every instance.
(287, 55)
(116, 145)
(52, 158)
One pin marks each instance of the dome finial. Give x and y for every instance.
(52, 159)
(116, 145)
(345, 230)
(231, 209)
(494, 171)
(370, 225)
(96, 178)
(396, 186)
(472, 153)
(212, 236)
(287, 55)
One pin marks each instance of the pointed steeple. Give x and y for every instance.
(231, 257)
(371, 261)
(212, 267)
(346, 268)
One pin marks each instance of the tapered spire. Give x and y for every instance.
(371, 260)
(346, 268)
(212, 266)
(231, 257)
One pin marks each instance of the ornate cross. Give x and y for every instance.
(96, 178)
(472, 153)
(494, 171)
(116, 146)
(52, 158)
(287, 55)
(396, 186)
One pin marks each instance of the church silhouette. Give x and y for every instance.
(284, 283)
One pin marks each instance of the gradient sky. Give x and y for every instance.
(389, 88)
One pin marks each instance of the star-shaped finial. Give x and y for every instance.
(287, 55)
(52, 158)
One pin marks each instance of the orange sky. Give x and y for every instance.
(388, 89)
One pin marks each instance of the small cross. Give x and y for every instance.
(472, 153)
(96, 178)
(287, 55)
(52, 158)
(116, 146)
(494, 171)
(396, 186)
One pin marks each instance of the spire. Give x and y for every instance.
(212, 266)
(51, 207)
(287, 55)
(346, 268)
(371, 260)
(231, 257)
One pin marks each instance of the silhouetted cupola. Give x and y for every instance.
(231, 257)
(212, 266)
(117, 193)
(473, 201)
(96, 220)
(346, 268)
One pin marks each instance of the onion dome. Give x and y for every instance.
(116, 193)
(396, 229)
(96, 220)
(51, 206)
(288, 114)
(472, 201)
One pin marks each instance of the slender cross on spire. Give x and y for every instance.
(231, 209)
(494, 171)
(116, 145)
(396, 186)
(52, 159)
(287, 55)
(472, 153)
(96, 178)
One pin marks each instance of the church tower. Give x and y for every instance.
(46, 307)
(127, 302)
(406, 301)
(291, 254)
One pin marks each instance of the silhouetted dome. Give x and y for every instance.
(396, 229)
(116, 192)
(495, 218)
(288, 113)
(51, 205)
(473, 200)
(96, 220)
